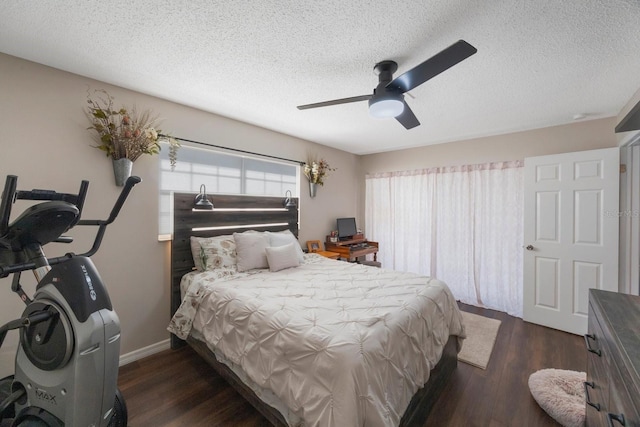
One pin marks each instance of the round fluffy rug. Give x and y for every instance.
(561, 394)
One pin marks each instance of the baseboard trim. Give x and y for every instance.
(143, 352)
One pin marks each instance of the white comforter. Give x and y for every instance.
(340, 344)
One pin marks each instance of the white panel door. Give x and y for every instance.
(571, 235)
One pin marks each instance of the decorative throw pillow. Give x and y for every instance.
(210, 253)
(281, 257)
(250, 249)
(281, 238)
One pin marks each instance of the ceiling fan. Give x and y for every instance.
(387, 99)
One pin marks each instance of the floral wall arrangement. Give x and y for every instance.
(125, 133)
(316, 171)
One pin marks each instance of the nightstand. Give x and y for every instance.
(328, 254)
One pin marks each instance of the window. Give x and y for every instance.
(221, 173)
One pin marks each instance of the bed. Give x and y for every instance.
(324, 343)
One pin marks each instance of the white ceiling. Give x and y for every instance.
(539, 62)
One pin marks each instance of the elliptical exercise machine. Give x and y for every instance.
(66, 366)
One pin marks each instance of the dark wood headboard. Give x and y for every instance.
(232, 213)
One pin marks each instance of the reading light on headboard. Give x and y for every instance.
(201, 201)
(288, 203)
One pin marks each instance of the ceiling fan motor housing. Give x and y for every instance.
(385, 70)
(387, 101)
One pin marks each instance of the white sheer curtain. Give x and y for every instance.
(462, 225)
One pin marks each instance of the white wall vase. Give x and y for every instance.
(312, 189)
(122, 171)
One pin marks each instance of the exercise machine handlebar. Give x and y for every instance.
(102, 224)
(5, 210)
(5, 206)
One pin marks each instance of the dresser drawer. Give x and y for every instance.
(598, 367)
(597, 394)
(613, 364)
(621, 403)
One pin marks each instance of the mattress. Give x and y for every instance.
(336, 343)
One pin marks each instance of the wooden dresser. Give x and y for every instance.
(613, 367)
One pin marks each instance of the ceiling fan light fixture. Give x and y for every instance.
(386, 107)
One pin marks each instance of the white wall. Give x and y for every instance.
(629, 202)
(579, 136)
(44, 140)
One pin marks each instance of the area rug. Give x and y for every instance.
(561, 394)
(481, 335)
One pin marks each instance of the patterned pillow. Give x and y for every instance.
(210, 253)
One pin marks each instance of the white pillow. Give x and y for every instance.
(281, 238)
(281, 257)
(250, 250)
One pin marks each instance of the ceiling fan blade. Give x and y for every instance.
(433, 66)
(407, 118)
(335, 102)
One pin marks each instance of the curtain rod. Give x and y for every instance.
(232, 149)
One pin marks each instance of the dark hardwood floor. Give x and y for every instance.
(178, 388)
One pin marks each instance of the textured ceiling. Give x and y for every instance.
(539, 62)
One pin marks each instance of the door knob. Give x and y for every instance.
(529, 247)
